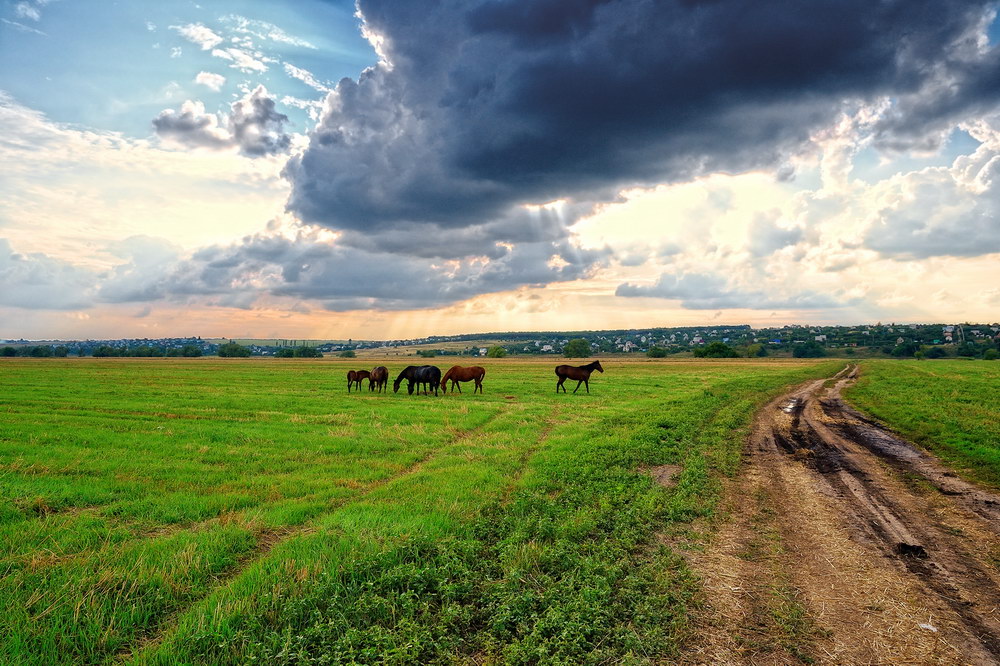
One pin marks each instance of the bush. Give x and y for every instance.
(935, 352)
(656, 352)
(496, 352)
(715, 350)
(991, 355)
(427, 353)
(347, 353)
(285, 352)
(8, 351)
(191, 351)
(233, 350)
(756, 350)
(577, 348)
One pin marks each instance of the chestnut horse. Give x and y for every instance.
(580, 373)
(355, 377)
(458, 374)
(379, 378)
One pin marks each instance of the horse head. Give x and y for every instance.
(395, 384)
(597, 366)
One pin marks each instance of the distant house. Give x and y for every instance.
(900, 341)
(547, 348)
(482, 351)
(820, 338)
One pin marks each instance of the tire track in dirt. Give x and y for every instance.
(873, 552)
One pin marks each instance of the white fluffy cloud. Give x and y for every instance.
(210, 80)
(196, 33)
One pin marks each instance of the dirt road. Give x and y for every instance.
(846, 545)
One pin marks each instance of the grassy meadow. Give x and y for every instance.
(951, 407)
(171, 511)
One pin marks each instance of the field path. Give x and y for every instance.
(847, 545)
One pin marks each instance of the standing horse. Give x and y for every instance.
(428, 376)
(355, 377)
(580, 373)
(458, 374)
(379, 378)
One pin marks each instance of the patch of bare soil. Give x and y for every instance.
(665, 475)
(845, 544)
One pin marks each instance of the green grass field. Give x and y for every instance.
(950, 407)
(160, 511)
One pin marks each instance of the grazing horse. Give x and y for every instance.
(379, 378)
(355, 377)
(580, 373)
(458, 374)
(427, 375)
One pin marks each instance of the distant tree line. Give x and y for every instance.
(299, 352)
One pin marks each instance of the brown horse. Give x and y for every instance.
(379, 378)
(355, 377)
(458, 374)
(580, 373)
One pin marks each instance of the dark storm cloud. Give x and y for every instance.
(707, 291)
(253, 126)
(483, 106)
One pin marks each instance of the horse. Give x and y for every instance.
(379, 378)
(580, 373)
(426, 375)
(355, 377)
(458, 374)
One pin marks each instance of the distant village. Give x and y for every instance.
(878, 339)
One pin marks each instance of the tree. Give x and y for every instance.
(715, 350)
(496, 351)
(191, 351)
(808, 350)
(991, 355)
(284, 352)
(935, 352)
(233, 350)
(906, 349)
(656, 352)
(920, 355)
(576, 348)
(347, 353)
(968, 349)
(307, 352)
(8, 351)
(756, 350)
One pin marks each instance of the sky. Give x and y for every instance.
(398, 168)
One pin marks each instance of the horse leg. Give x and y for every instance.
(455, 385)
(587, 382)
(479, 386)
(560, 384)
(577, 385)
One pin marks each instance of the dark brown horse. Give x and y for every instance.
(428, 376)
(355, 377)
(458, 374)
(379, 378)
(580, 373)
